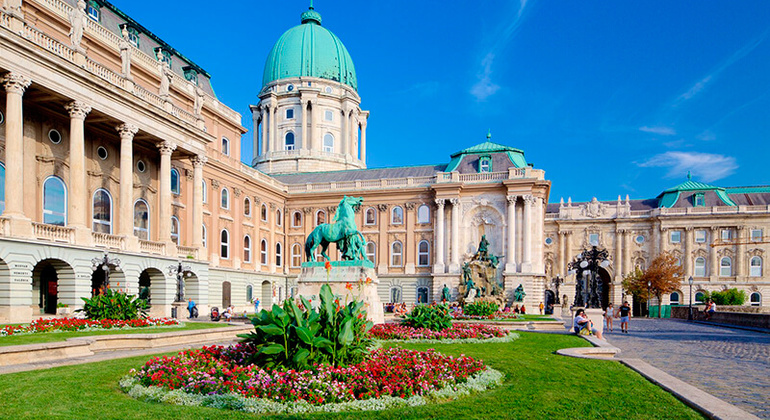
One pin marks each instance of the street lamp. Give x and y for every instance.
(104, 263)
(689, 317)
(588, 293)
(649, 284)
(180, 271)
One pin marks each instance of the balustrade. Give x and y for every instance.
(54, 233)
(106, 240)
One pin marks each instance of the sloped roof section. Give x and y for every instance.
(360, 174)
(714, 196)
(516, 156)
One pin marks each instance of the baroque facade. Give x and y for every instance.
(113, 141)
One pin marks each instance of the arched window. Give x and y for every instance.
(225, 202)
(371, 252)
(247, 207)
(370, 216)
(395, 294)
(328, 143)
(225, 146)
(54, 201)
(224, 244)
(278, 217)
(320, 217)
(204, 191)
(396, 251)
(423, 214)
(755, 299)
(204, 236)
(725, 267)
(247, 249)
(263, 212)
(142, 220)
(278, 254)
(397, 216)
(700, 267)
(102, 211)
(249, 293)
(175, 230)
(639, 263)
(296, 219)
(422, 294)
(674, 298)
(699, 297)
(175, 187)
(263, 252)
(296, 255)
(2, 187)
(755, 267)
(423, 253)
(288, 143)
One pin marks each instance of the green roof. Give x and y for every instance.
(515, 155)
(310, 50)
(669, 197)
(749, 190)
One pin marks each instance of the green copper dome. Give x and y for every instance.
(310, 50)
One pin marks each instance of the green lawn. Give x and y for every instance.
(15, 340)
(538, 385)
(521, 318)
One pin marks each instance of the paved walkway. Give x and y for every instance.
(731, 364)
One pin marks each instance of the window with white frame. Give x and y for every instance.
(142, 220)
(278, 217)
(593, 239)
(288, 143)
(225, 199)
(204, 236)
(370, 217)
(175, 182)
(700, 267)
(175, 230)
(224, 244)
(247, 249)
(674, 298)
(247, 207)
(676, 236)
(756, 235)
(423, 254)
(329, 115)
(225, 146)
(700, 236)
(204, 192)
(755, 299)
(263, 252)
(328, 143)
(296, 219)
(249, 293)
(397, 215)
(290, 114)
(93, 10)
(263, 212)
(727, 234)
(278, 254)
(101, 211)
(755, 266)
(296, 255)
(725, 267)
(54, 201)
(320, 217)
(396, 253)
(423, 214)
(371, 252)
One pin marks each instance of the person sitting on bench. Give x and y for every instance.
(584, 326)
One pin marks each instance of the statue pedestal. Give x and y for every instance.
(595, 315)
(347, 280)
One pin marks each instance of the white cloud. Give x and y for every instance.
(705, 167)
(484, 87)
(707, 135)
(660, 130)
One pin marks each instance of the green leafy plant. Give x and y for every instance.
(480, 308)
(114, 305)
(62, 305)
(432, 317)
(729, 297)
(298, 336)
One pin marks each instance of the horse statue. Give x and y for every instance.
(341, 231)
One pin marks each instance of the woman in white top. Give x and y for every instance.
(609, 313)
(581, 321)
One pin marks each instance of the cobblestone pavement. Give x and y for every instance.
(730, 364)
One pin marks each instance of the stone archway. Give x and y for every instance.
(99, 276)
(152, 285)
(606, 279)
(549, 301)
(53, 282)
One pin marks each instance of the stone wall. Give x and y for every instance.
(744, 319)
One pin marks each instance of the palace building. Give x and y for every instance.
(113, 141)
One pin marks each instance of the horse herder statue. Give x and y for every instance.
(341, 231)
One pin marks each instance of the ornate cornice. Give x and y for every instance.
(382, 207)
(199, 160)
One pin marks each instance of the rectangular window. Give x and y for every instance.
(328, 115)
(93, 12)
(191, 75)
(485, 164)
(699, 200)
(676, 237)
(727, 234)
(700, 236)
(756, 235)
(593, 239)
(290, 114)
(133, 37)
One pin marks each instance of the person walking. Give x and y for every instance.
(625, 312)
(541, 308)
(190, 306)
(608, 314)
(256, 306)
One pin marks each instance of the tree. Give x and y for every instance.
(663, 274)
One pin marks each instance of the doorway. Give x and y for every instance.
(226, 295)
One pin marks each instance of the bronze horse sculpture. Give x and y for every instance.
(341, 231)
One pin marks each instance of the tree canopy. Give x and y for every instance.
(664, 276)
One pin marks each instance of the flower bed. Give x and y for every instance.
(217, 376)
(494, 316)
(454, 333)
(74, 324)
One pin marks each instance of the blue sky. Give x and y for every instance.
(609, 98)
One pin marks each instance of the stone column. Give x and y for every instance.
(438, 267)
(713, 259)
(164, 197)
(345, 126)
(15, 84)
(741, 252)
(304, 125)
(688, 257)
(410, 244)
(567, 250)
(197, 208)
(255, 119)
(510, 259)
(454, 266)
(313, 138)
(529, 200)
(272, 110)
(363, 142)
(263, 121)
(77, 199)
(126, 203)
(618, 260)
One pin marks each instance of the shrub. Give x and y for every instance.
(114, 305)
(433, 317)
(729, 297)
(480, 308)
(295, 337)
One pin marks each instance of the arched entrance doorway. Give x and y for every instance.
(226, 293)
(267, 294)
(606, 280)
(150, 284)
(549, 302)
(49, 277)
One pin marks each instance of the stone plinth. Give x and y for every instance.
(342, 274)
(595, 315)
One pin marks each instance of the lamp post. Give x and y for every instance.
(105, 262)
(586, 265)
(180, 271)
(689, 316)
(649, 284)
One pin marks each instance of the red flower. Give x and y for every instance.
(348, 286)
